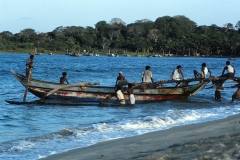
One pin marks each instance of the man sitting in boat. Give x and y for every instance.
(147, 75)
(63, 78)
(231, 72)
(176, 74)
(119, 78)
(204, 70)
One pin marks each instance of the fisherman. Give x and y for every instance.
(147, 75)
(130, 94)
(63, 78)
(231, 72)
(29, 66)
(120, 95)
(204, 70)
(119, 78)
(236, 95)
(176, 73)
(218, 93)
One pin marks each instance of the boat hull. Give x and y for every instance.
(93, 93)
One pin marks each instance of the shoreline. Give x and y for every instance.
(131, 55)
(216, 139)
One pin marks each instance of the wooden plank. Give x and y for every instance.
(66, 103)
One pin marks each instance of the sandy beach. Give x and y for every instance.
(219, 139)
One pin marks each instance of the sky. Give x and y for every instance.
(46, 15)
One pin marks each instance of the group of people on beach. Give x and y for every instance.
(148, 78)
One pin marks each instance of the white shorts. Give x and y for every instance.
(132, 99)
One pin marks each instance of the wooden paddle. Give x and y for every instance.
(68, 85)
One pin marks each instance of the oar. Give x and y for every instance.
(26, 87)
(69, 85)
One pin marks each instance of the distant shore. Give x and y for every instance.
(217, 139)
(142, 55)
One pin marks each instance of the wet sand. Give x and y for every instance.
(219, 139)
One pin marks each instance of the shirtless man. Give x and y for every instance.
(63, 78)
(236, 95)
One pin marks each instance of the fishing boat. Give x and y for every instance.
(94, 92)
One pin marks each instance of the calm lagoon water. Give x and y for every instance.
(36, 131)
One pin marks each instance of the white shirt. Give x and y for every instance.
(205, 72)
(230, 69)
(176, 75)
(147, 76)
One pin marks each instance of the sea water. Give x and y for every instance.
(36, 131)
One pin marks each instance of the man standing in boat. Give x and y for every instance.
(63, 78)
(147, 75)
(29, 66)
(204, 70)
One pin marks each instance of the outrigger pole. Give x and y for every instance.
(26, 87)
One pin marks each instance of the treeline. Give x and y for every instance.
(176, 35)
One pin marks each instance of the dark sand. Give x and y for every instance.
(218, 139)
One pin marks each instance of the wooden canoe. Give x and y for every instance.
(90, 92)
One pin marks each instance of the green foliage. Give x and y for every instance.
(176, 35)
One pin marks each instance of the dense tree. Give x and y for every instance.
(176, 35)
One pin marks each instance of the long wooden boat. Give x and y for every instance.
(89, 92)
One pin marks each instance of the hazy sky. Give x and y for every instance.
(46, 15)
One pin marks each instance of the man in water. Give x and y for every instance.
(29, 66)
(236, 95)
(63, 78)
(130, 94)
(120, 95)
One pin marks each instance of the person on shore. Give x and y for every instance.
(204, 70)
(231, 72)
(147, 75)
(120, 77)
(236, 95)
(29, 66)
(63, 78)
(120, 95)
(130, 94)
